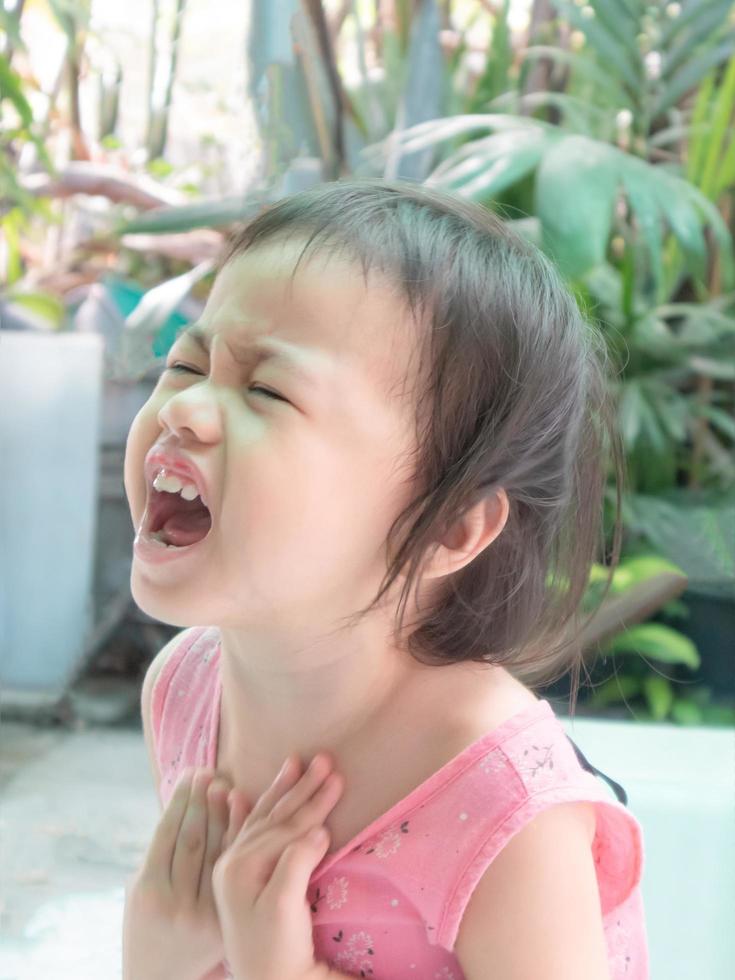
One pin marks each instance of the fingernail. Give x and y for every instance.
(284, 768)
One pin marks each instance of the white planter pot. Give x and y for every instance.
(50, 390)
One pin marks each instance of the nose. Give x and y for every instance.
(191, 414)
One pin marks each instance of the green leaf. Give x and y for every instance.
(673, 413)
(690, 75)
(451, 127)
(658, 641)
(529, 228)
(721, 420)
(12, 226)
(630, 413)
(672, 26)
(700, 129)
(653, 335)
(686, 712)
(699, 539)
(46, 305)
(498, 60)
(11, 89)
(718, 714)
(640, 568)
(720, 231)
(726, 174)
(483, 168)
(638, 179)
(580, 116)
(700, 324)
(617, 19)
(574, 196)
(721, 123)
(708, 16)
(659, 695)
(615, 689)
(711, 368)
(10, 25)
(676, 609)
(204, 214)
(583, 66)
(622, 56)
(651, 429)
(680, 216)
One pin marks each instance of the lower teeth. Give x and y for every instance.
(156, 536)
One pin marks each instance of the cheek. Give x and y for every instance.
(141, 436)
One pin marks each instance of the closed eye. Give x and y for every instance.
(257, 388)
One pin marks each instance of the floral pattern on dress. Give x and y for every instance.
(356, 954)
(335, 895)
(618, 946)
(539, 764)
(337, 892)
(173, 776)
(536, 761)
(493, 763)
(389, 842)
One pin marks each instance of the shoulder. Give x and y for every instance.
(150, 679)
(536, 910)
(501, 701)
(160, 660)
(496, 699)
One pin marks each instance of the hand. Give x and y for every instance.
(170, 923)
(260, 881)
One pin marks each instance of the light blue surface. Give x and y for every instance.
(50, 387)
(681, 787)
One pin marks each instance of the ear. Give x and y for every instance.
(467, 537)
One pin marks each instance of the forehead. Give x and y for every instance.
(362, 330)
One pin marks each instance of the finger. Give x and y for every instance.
(217, 817)
(287, 777)
(282, 830)
(281, 801)
(163, 843)
(191, 842)
(239, 810)
(316, 809)
(310, 788)
(257, 848)
(287, 886)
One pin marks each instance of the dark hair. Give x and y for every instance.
(517, 398)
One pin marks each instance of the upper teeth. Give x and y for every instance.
(172, 484)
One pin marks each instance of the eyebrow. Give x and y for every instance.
(265, 349)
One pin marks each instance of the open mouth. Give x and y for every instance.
(174, 521)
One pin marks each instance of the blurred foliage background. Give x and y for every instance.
(602, 131)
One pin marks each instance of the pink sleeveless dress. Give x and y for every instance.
(388, 904)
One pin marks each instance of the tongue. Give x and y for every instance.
(186, 527)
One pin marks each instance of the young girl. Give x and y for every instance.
(369, 485)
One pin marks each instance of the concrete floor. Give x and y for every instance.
(78, 809)
(77, 812)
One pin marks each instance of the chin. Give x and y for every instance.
(150, 601)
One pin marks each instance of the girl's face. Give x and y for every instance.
(304, 474)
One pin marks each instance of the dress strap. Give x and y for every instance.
(617, 788)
